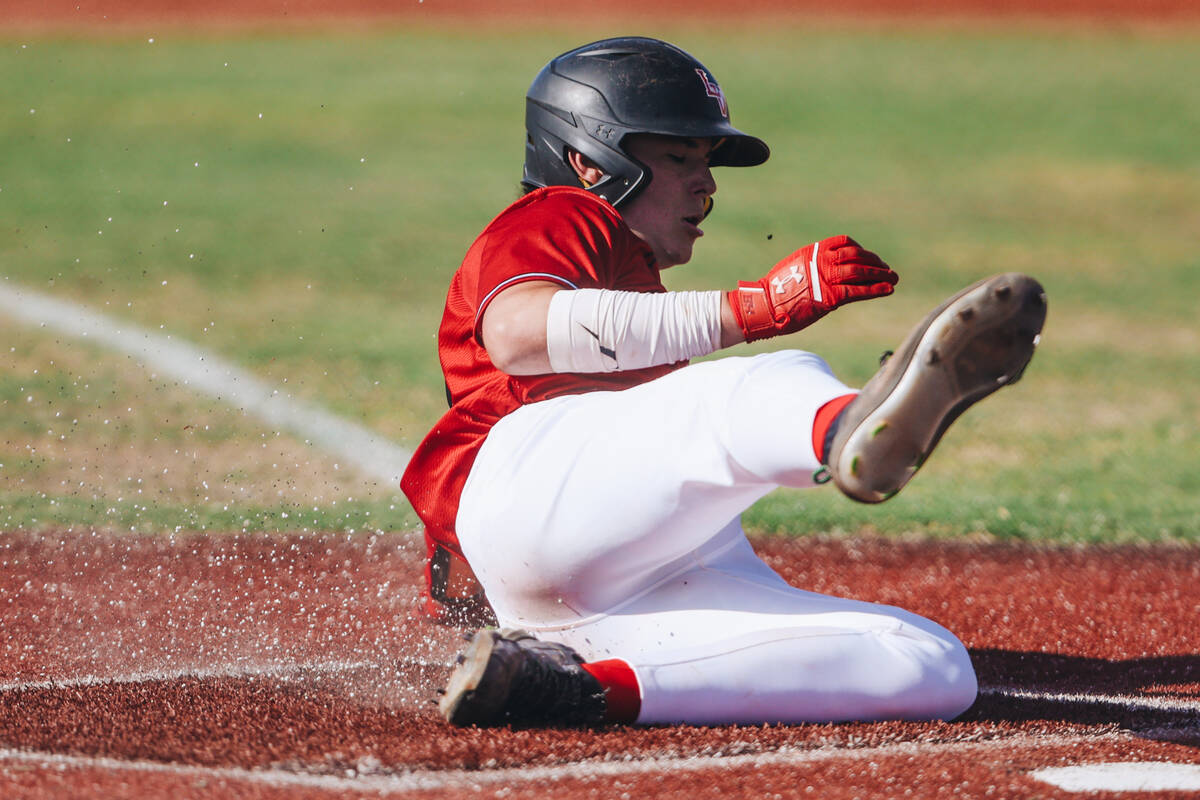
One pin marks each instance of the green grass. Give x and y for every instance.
(312, 244)
(130, 516)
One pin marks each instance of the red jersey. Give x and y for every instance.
(560, 234)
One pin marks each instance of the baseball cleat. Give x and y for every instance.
(509, 676)
(977, 341)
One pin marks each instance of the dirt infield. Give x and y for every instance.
(272, 666)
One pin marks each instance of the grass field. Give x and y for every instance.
(298, 202)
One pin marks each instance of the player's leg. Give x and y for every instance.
(577, 504)
(729, 641)
(597, 495)
(724, 641)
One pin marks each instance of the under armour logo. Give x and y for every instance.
(780, 281)
(714, 91)
(604, 351)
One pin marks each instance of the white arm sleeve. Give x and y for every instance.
(604, 330)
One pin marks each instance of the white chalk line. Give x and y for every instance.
(209, 374)
(372, 779)
(152, 676)
(1128, 702)
(228, 671)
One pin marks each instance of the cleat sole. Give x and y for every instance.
(461, 702)
(977, 341)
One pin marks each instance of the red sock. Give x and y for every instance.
(621, 689)
(826, 414)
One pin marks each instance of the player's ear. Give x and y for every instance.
(589, 174)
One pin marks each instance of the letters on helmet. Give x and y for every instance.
(714, 91)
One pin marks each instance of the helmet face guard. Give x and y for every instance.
(591, 98)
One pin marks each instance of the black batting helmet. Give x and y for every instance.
(591, 98)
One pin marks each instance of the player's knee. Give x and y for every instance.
(959, 690)
(801, 360)
(949, 686)
(931, 672)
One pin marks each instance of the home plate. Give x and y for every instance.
(1131, 776)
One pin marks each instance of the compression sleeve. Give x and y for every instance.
(605, 330)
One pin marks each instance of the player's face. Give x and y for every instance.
(666, 214)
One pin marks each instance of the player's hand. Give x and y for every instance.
(807, 285)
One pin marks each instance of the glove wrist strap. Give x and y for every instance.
(752, 311)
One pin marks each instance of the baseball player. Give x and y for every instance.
(591, 481)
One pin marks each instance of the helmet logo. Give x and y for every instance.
(714, 91)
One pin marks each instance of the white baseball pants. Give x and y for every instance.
(610, 521)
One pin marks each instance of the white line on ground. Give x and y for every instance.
(210, 374)
(1131, 702)
(1132, 776)
(231, 671)
(373, 779)
(285, 670)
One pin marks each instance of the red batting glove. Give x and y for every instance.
(807, 285)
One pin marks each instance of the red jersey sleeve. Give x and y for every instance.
(563, 235)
